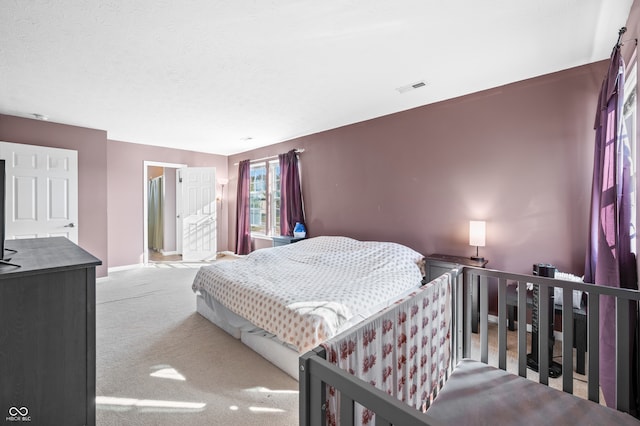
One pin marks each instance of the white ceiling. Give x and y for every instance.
(207, 75)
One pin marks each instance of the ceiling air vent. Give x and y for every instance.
(413, 86)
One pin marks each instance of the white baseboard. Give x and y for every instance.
(124, 267)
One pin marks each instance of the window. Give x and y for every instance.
(630, 121)
(264, 197)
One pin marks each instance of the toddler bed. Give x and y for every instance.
(285, 300)
(340, 390)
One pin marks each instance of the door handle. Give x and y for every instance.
(71, 225)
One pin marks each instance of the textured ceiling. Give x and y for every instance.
(208, 75)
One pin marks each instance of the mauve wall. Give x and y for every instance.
(518, 156)
(125, 195)
(110, 184)
(92, 173)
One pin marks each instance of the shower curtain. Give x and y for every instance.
(155, 212)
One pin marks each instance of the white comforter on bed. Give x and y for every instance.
(304, 293)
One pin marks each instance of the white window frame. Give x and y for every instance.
(272, 198)
(630, 116)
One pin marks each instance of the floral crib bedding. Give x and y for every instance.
(404, 350)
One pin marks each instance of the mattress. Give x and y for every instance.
(282, 355)
(479, 394)
(307, 292)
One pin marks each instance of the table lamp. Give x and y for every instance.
(477, 234)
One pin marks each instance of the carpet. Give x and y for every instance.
(158, 362)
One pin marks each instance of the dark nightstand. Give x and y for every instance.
(438, 264)
(282, 240)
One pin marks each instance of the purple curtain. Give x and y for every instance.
(610, 260)
(243, 223)
(291, 210)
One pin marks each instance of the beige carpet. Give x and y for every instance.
(161, 363)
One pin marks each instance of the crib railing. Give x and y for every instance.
(626, 303)
(405, 350)
(316, 372)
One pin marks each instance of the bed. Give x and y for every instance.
(285, 300)
(340, 389)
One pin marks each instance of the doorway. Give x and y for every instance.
(159, 212)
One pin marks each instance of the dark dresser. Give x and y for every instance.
(47, 333)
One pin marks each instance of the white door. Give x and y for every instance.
(196, 211)
(41, 191)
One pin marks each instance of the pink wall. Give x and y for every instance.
(125, 194)
(92, 173)
(110, 184)
(518, 156)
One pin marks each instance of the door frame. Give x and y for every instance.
(145, 203)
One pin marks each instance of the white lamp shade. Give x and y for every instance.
(223, 181)
(477, 233)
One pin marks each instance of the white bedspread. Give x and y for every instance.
(306, 292)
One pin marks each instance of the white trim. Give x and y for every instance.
(124, 268)
(262, 237)
(145, 203)
(169, 253)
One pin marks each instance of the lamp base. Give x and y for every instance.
(477, 258)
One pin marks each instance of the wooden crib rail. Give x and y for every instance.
(409, 340)
(315, 372)
(624, 298)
